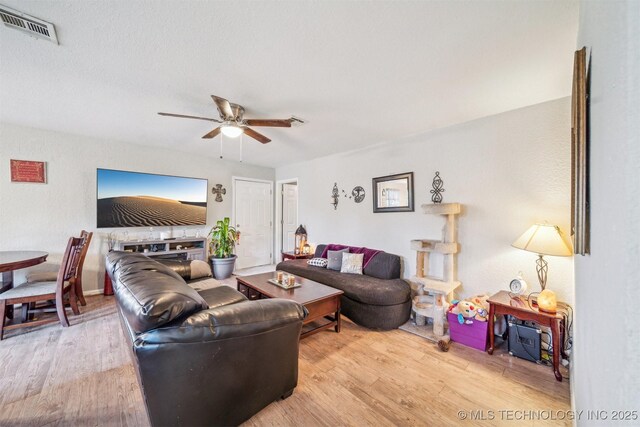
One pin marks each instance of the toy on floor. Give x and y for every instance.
(443, 343)
(464, 310)
(469, 309)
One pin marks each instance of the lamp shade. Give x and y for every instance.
(543, 239)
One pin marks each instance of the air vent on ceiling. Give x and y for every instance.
(28, 24)
(296, 121)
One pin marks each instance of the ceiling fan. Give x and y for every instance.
(233, 123)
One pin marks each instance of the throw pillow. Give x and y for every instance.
(352, 263)
(318, 262)
(200, 269)
(335, 259)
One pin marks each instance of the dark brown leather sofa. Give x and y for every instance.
(376, 299)
(203, 358)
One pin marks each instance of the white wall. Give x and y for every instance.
(606, 365)
(42, 217)
(508, 170)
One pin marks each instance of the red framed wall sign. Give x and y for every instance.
(28, 171)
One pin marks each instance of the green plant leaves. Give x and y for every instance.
(223, 239)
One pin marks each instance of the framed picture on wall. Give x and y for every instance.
(28, 171)
(580, 154)
(393, 193)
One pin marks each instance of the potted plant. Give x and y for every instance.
(224, 238)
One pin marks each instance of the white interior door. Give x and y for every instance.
(289, 216)
(253, 214)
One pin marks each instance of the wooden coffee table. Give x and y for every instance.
(322, 302)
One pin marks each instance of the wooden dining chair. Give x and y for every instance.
(49, 276)
(33, 292)
(77, 280)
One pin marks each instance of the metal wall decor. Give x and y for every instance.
(436, 193)
(218, 190)
(358, 194)
(335, 196)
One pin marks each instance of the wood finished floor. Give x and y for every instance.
(82, 375)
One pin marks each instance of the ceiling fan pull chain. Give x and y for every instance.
(241, 139)
(221, 145)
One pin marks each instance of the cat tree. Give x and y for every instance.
(433, 292)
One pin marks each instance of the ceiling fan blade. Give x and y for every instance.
(223, 107)
(212, 134)
(190, 117)
(255, 135)
(286, 123)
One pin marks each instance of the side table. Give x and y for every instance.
(293, 255)
(505, 304)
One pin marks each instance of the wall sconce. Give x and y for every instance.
(335, 196)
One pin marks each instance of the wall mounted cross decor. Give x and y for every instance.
(218, 190)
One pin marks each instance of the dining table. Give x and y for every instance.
(11, 261)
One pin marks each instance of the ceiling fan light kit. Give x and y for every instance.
(233, 123)
(231, 130)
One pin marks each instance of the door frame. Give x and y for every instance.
(234, 179)
(278, 228)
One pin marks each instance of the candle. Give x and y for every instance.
(279, 276)
(291, 280)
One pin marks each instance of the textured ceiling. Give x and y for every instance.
(360, 73)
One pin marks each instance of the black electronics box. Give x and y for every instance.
(524, 340)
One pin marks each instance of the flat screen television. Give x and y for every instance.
(134, 199)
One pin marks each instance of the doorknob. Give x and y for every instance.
(237, 225)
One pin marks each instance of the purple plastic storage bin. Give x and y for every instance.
(473, 335)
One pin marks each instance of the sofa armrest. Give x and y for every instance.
(229, 321)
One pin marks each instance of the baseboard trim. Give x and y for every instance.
(93, 292)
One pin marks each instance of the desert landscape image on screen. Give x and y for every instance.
(132, 199)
